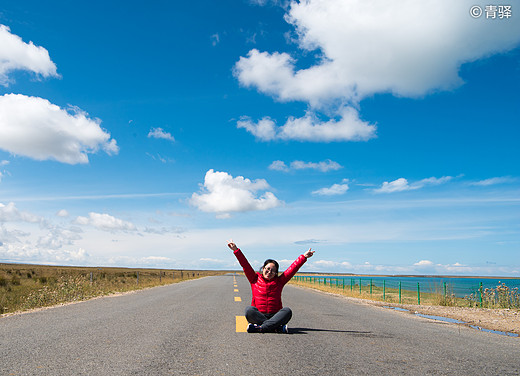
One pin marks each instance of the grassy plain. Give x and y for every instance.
(24, 286)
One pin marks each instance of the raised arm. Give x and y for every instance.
(248, 269)
(295, 266)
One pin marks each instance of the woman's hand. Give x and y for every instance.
(232, 245)
(309, 253)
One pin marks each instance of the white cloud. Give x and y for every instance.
(402, 184)
(215, 39)
(62, 213)
(424, 263)
(279, 166)
(372, 46)
(10, 213)
(15, 54)
(334, 190)
(398, 185)
(311, 129)
(264, 130)
(331, 264)
(494, 181)
(223, 194)
(58, 237)
(160, 133)
(105, 222)
(323, 166)
(404, 47)
(35, 128)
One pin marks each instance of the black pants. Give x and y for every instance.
(268, 322)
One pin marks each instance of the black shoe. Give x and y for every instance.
(282, 329)
(253, 328)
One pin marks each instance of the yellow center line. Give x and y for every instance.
(236, 290)
(241, 324)
(238, 299)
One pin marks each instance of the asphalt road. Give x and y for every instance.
(190, 329)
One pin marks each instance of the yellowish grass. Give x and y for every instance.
(24, 287)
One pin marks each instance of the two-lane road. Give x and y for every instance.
(190, 328)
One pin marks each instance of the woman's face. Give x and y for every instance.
(269, 271)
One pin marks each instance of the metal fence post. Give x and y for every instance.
(399, 292)
(418, 294)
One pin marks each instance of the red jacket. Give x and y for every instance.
(267, 295)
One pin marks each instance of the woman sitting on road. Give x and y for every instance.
(266, 313)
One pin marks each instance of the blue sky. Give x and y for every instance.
(383, 134)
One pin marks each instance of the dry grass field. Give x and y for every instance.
(24, 287)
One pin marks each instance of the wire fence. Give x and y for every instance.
(489, 292)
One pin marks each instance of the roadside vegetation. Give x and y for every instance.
(24, 287)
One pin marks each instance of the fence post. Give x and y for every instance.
(138, 278)
(351, 284)
(343, 284)
(444, 289)
(91, 277)
(370, 286)
(384, 290)
(418, 294)
(360, 286)
(399, 292)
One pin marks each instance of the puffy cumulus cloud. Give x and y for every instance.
(264, 130)
(334, 190)
(15, 54)
(322, 166)
(160, 133)
(62, 213)
(407, 48)
(402, 184)
(223, 194)
(10, 213)
(424, 263)
(371, 46)
(105, 222)
(279, 166)
(309, 128)
(35, 128)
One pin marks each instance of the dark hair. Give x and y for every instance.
(271, 261)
